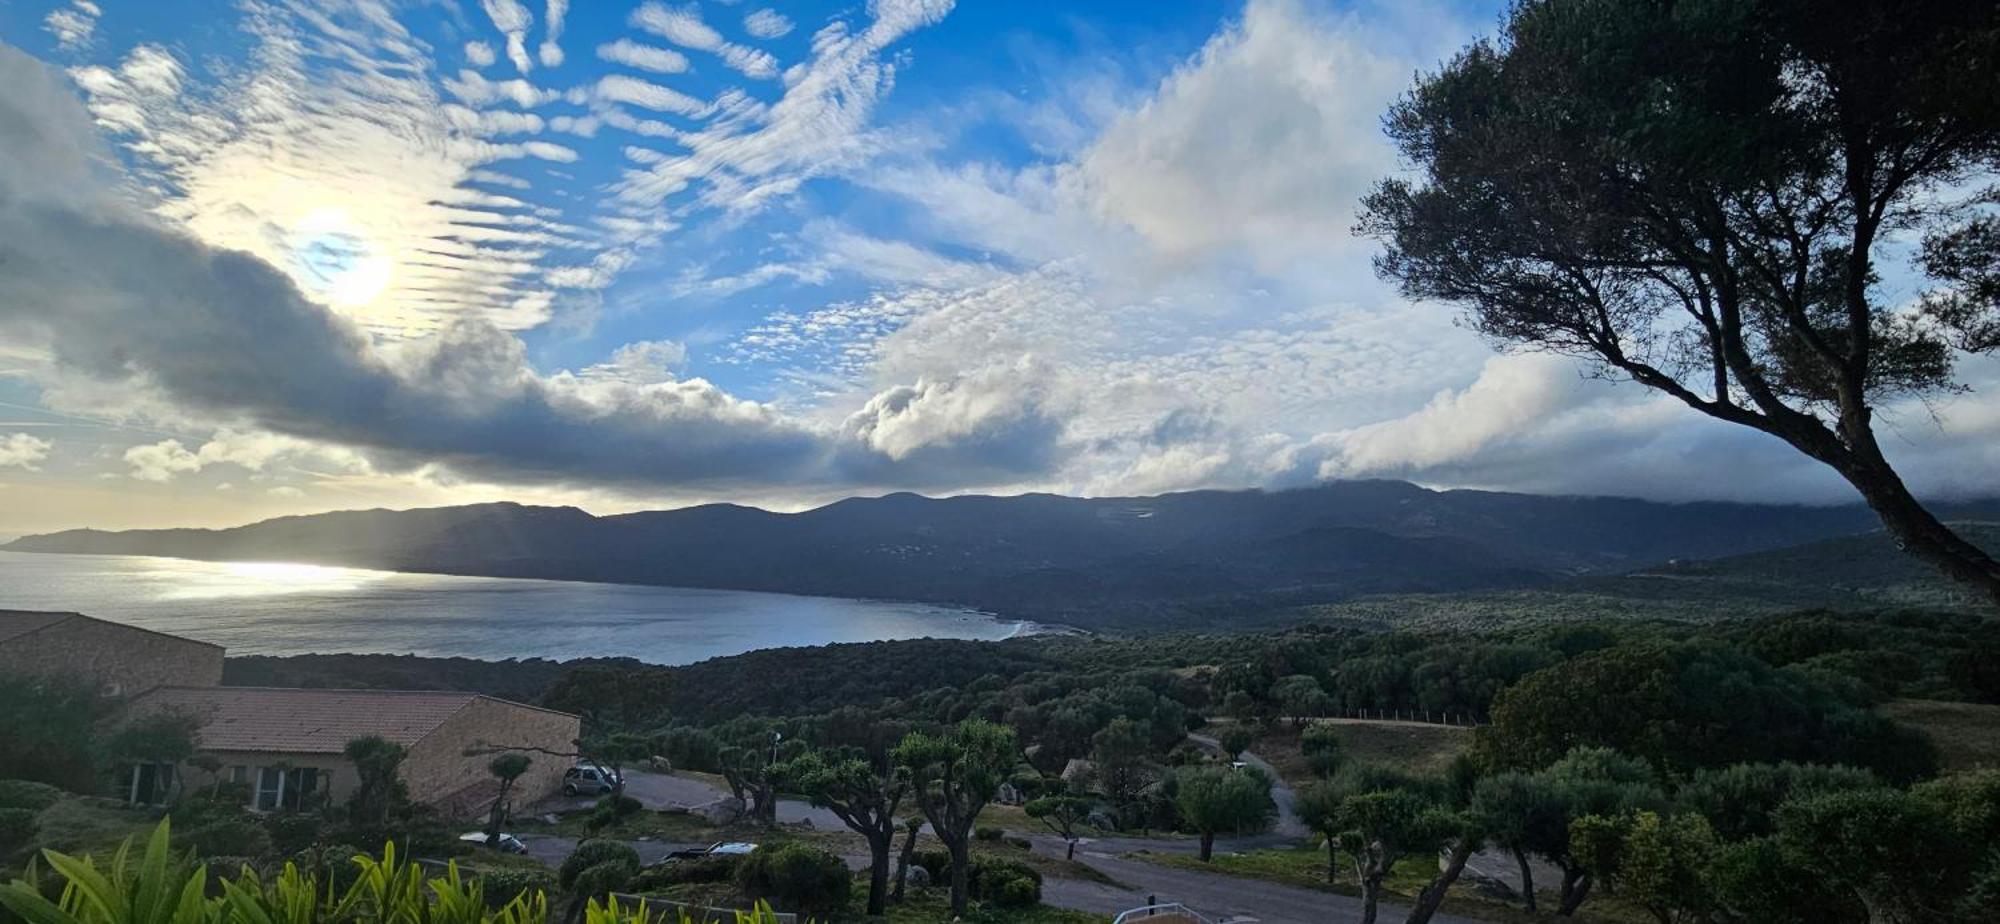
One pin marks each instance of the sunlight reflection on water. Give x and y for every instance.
(280, 608)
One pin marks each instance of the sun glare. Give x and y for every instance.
(335, 257)
(266, 578)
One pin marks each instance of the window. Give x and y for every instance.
(152, 784)
(301, 789)
(270, 789)
(239, 774)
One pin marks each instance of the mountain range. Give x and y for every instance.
(1094, 562)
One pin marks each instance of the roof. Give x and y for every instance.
(17, 623)
(292, 721)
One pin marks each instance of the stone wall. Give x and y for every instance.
(438, 767)
(119, 659)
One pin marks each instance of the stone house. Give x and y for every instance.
(121, 660)
(286, 744)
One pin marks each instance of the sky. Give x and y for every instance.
(265, 257)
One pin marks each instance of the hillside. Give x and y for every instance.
(1099, 562)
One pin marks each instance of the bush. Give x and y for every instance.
(1014, 892)
(503, 885)
(935, 862)
(797, 878)
(611, 810)
(985, 833)
(28, 794)
(720, 868)
(593, 854)
(17, 829)
(292, 832)
(224, 836)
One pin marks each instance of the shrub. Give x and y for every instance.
(798, 878)
(935, 862)
(292, 832)
(1013, 892)
(224, 835)
(28, 794)
(592, 854)
(611, 810)
(503, 885)
(985, 833)
(17, 829)
(694, 869)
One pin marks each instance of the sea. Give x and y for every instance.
(274, 608)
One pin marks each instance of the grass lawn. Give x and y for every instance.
(1967, 735)
(1411, 746)
(1306, 868)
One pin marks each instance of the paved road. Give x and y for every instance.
(663, 790)
(1288, 824)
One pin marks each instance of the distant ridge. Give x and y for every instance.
(1124, 561)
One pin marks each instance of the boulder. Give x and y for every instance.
(919, 877)
(724, 811)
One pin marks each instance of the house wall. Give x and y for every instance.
(438, 768)
(339, 775)
(120, 659)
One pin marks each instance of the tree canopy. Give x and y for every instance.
(1698, 196)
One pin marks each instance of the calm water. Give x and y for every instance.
(266, 608)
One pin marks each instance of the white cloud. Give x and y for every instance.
(551, 51)
(767, 24)
(23, 450)
(512, 18)
(73, 24)
(479, 54)
(644, 57)
(631, 91)
(684, 27)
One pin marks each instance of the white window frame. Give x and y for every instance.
(277, 795)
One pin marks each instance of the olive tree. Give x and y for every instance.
(1700, 197)
(864, 794)
(1213, 799)
(953, 775)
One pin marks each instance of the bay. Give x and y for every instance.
(281, 609)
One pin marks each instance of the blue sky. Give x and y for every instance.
(297, 255)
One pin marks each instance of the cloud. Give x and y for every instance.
(512, 18)
(479, 54)
(644, 57)
(551, 52)
(22, 450)
(684, 27)
(73, 24)
(767, 24)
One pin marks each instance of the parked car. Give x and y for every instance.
(717, 849)
(590, 780)
(508, 842)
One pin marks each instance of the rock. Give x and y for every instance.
(919, 877)
(724, 811)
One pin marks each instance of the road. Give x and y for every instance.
(1219, 896)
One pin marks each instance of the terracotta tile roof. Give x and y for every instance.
(22, 622)
(16, 623)
(304, 721)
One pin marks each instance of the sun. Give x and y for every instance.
(334, 257)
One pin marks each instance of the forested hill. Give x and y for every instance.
(1087, 561)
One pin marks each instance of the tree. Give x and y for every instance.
(1061, 814)
(1382, 826)
(1890, 850)
(911, 826)
(1301, 698)
(1123, 754)
(1318, 806)
(749, 759)
(377, 761)
(160, 738)
(1322, 749)
(1525, 815)
(1683, 706)
(864, 794)
(40, 721)
(1661, 863)
(506, 768)
(1693, 197)
(1235, 740)
(1213, 799)
(953, 776)
(615, 751)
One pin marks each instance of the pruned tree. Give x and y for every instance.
(1322, 749)
(953, 775)
(1062, 815)
(1214, 799)
(864, 794)
(1698, 197)
(506, 768)
(377, 762)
